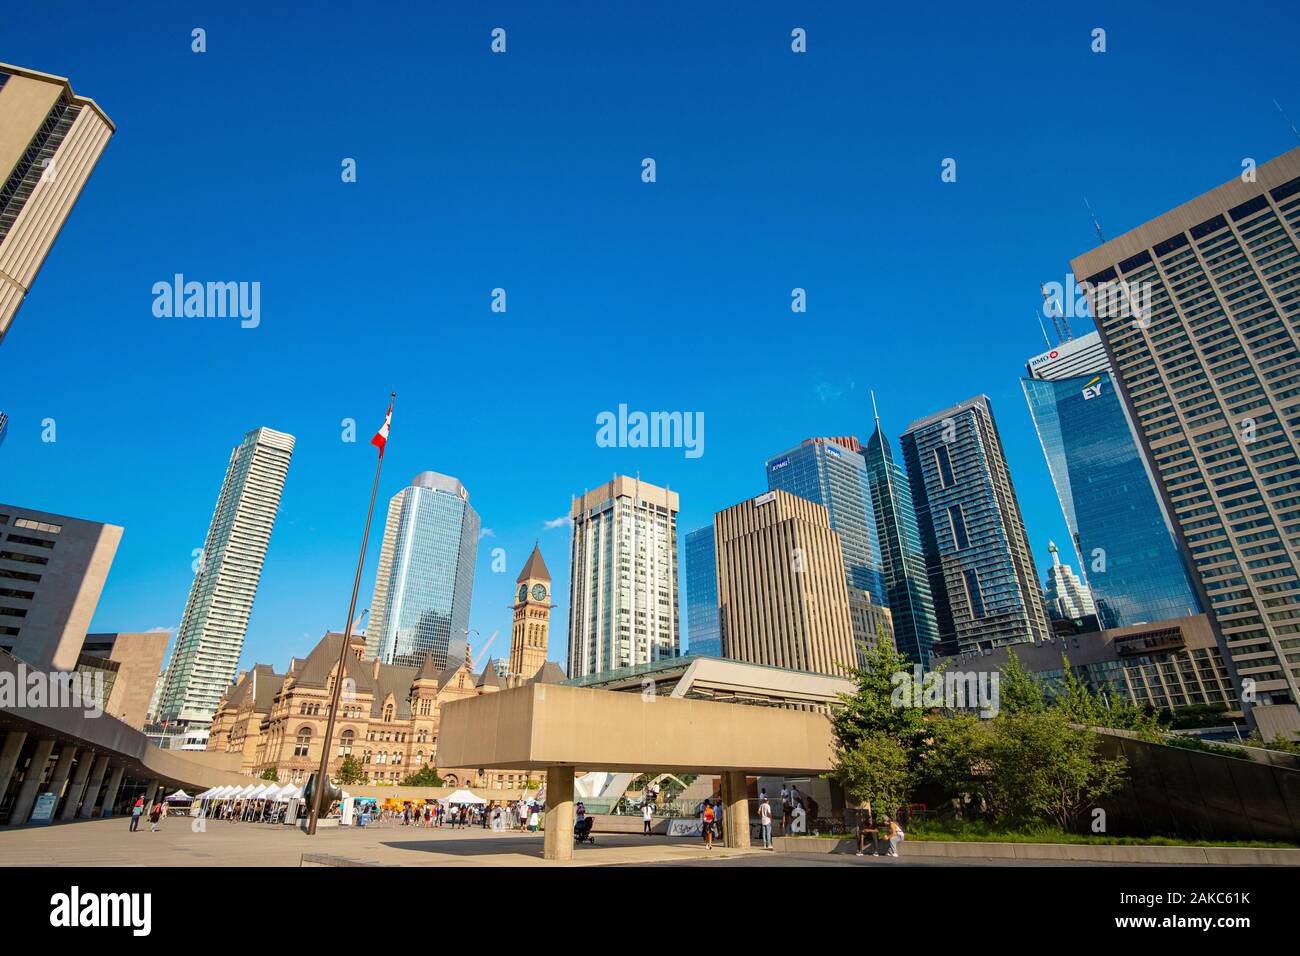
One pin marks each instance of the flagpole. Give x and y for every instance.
(323, 775)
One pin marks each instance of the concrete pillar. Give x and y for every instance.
(92, 789)
(13, 746)
(735, 812)
(110, 793)
(558, 841)
(78, 786)
(151, 794)
(22, 808)
(62, 767)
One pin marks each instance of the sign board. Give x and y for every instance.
(765, 499)
(43, 811)
(682, 827)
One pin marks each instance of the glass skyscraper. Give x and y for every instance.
(1122, 535)
(702, 620)
(426, 574)
(834, 475)
(907, 587)
(976, 549)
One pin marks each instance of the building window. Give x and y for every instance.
(973, 593)
(345, 743)
(941, 459)
(303, 743)
(958, 522)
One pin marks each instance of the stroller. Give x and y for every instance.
(582, 830)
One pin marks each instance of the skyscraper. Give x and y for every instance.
(623, 585)
(1198, 312)
(1120, 529)
(833, 473)
(977, 552)
(781, 585)
(1067, 597)
(50, 141)
(702, 594)
(52, 571)
(211, 633)
(426, 574)
(530, 633)
(908, 596)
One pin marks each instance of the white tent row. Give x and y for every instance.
(263, 791)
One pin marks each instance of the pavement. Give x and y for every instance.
(220, 843)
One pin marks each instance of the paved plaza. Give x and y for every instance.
(110, 843)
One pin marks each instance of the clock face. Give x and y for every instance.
(539, 592)
(523, 591)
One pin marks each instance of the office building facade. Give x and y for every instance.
(52, 572)
(211, 633)
(425, 579)
(977, 551)
(702, 621)
(907, 586)
(1198, 311)
(781, 591)
(1121, 531)
(623, 581)
(50, 141)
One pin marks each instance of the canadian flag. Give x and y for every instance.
(381, 436)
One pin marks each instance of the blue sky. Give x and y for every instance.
(522, 171)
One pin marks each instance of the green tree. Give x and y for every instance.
(879, 705)
(1043, 766)
(351, 771)
(1018, 692)
(426, 776)
(270, 773)
(875, 772)
(1111, 708)
(958, 761)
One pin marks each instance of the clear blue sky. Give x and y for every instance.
(522, 171)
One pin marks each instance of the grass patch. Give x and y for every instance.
(975, 831)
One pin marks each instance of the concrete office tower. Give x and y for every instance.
(781, 585)
(908, 597)
(1198, 312)
(1067, 597)
(977, 552)
(50, 141)
(52, 571)
(530, 632)
(702, 623)
(1122, 535)
(623, 584)
(425, 579)
(211, 632)
(130, 664)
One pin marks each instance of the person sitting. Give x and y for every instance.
(867, 831)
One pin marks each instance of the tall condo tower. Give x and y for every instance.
(623, 584)
(211, 633)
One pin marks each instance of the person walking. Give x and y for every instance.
(707, 825)
(646, 813)
(532, 820)
(765, 821)
(136, 811)
(154, 816)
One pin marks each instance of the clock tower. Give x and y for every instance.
(532, 624)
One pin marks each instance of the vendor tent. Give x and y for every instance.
(180, 796)
(464, 796)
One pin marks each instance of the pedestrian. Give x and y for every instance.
(765, 820)
(532, 820)
(154, 816)
(646, 814)
(136, 811)
(867, 831)
(896, 834)
(707, 825)
(785, 811)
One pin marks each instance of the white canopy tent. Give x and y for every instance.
(464, 796)
(179, 797)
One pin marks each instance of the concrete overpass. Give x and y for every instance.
(566, 730)
(98, 760)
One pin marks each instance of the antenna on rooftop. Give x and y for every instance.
(1095, 224)
(1046, 340)
(1052, 309)
(1287, 118)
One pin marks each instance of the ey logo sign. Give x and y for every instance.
(1092, 389)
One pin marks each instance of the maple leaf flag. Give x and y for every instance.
(381, 436)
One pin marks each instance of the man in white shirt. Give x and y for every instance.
(765, 818)
(646, 814)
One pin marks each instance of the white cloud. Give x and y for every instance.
(560, 522)
(486, 533)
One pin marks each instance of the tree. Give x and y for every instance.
(1108, 709)
(426, 776)
(875, 708)
(959, 760)
(351, 771)
(1041, 765)
(875, 772)
(270, 773)
(1018, 692)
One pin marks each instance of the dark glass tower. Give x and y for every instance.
(702, 594)
(907, 587)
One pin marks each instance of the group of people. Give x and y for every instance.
(524, 815)
(156, 813)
